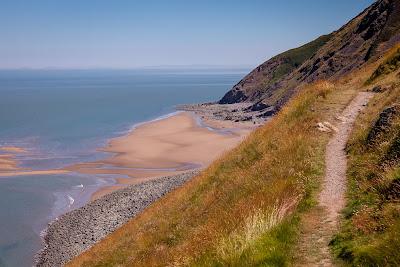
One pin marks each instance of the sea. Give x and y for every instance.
(62, 117)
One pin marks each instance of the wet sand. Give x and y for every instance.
(163, 147)
(9, 165)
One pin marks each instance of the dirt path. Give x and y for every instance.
(322, 222)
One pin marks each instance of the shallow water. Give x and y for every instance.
(61, 117)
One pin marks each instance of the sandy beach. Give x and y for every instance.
(163, 147)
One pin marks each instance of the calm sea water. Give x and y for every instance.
(61, 117)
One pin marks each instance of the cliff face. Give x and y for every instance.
(362, 39)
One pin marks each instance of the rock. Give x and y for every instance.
(258, 106)
(341, 119)
(233, 96)
(329, 125)
(392, 192)
(321, 127)
(326, 127)
(267, 113)
(383, 123)
(377, 89)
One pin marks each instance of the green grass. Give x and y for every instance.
(370, 234)
(293, 58)
(390, 65)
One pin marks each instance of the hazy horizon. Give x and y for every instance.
(130, 35)
(150, 67)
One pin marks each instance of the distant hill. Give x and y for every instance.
(364, 38)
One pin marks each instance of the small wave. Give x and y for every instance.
(71, 200)
(79, 186)
(159, 118)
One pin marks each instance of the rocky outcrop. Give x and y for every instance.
(383, 123)
(331, 56)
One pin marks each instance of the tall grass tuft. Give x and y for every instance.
(259, 223)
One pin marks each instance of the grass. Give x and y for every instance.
(293, 58)
(388, 66)
(243, 209)
(370, 234)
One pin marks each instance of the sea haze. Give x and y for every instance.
(61, 117)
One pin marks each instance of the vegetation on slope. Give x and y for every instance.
(273, 70)
(370, 235)
(390, 65)
(241, 211)
(293, 58)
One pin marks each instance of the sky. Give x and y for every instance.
(132, 34)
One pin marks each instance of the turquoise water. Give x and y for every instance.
(61, 117)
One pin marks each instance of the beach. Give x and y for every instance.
(169, 145)
(166, 146)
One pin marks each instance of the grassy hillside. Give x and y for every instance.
(370, 235)
(293, 58)
(272, 71)
(390, 65)
(245, 209)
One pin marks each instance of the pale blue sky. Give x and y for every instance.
(130, 34)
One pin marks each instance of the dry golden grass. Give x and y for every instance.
(243, 209)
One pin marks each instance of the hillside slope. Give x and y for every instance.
(364, 38)
(272, 71)
(249, 200)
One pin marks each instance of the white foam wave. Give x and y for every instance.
(71, 200)
(79, 186)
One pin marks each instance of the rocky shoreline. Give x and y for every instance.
(78, 230)
(238, 112)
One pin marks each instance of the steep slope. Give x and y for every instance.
(364, 38)
(272, 71)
